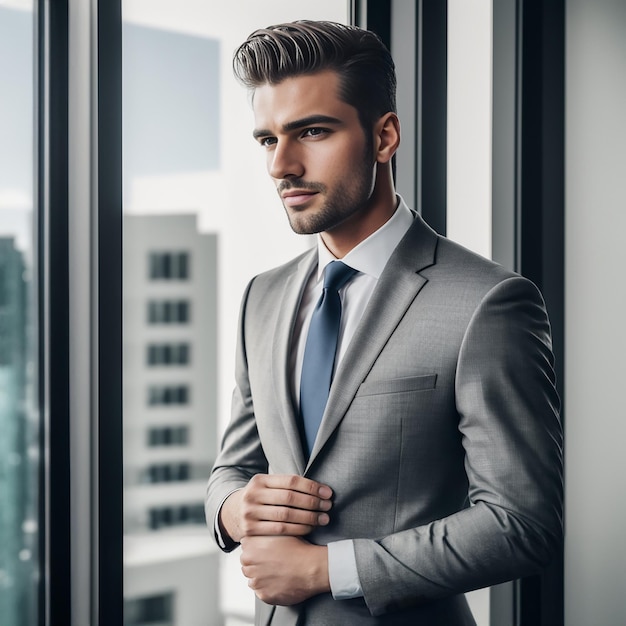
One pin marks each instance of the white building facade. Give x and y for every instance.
(170, 404)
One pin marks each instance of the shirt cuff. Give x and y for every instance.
(225, 543)
(342, 571)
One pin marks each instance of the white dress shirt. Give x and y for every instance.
(369, 258)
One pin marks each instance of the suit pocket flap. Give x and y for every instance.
(397, 385)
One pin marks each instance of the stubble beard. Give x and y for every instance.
(341, 204)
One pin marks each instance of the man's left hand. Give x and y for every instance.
(284, 570)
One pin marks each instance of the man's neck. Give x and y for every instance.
(350, 233)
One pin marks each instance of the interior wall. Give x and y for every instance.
(595, 427)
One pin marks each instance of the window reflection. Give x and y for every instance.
(19, 445)
(200, 219)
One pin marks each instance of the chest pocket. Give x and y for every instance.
(397, 385)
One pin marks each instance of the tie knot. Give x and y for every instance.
(336, 275)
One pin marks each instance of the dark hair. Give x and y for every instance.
(365, 67)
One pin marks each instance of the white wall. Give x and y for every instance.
(595, 413)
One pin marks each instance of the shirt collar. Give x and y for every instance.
(372, 254)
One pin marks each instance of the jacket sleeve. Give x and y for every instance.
(508, 412)
(241, 455)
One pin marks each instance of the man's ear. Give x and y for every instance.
(386, 137)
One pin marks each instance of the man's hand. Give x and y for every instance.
(284, 570)
(272, 504)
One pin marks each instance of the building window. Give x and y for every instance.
(168, 394)
(168, 436)
(162, 517)
(168, 354)
(157, 609)
(167, 473)
(169, 265)
(168, 311)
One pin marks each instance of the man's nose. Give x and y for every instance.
(285, 161)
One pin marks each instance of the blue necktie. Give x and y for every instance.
(320, 348)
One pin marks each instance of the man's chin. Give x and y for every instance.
(302, 226)
(301, 230)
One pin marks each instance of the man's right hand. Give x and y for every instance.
(273, 504)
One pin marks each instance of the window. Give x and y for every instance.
(169, 265)
(180, 168)
(188, 173)
(167, 472)
(168, 311)
(157, 610)
(186, 514)
(168, 436)
(168, 354)
(20, 534)
(168, 394)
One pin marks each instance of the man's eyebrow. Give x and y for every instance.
(311, 120)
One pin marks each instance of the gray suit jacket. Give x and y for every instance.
(441, 438)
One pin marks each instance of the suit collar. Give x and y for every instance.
(372, 254)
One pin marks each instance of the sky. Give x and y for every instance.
(170, 102)
(171, 109)
(16, 106)
(16, 124)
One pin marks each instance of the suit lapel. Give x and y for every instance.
(397, 287)
(289, 306)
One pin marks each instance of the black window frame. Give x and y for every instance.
(53, 304)
(61, 587)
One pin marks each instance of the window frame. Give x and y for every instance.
(79, 192)
(51, 175)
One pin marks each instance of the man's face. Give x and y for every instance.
(317, 152)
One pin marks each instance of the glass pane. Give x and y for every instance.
(200, 218)
(19, 557)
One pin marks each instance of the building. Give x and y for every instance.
(17, 476)
(170, 404)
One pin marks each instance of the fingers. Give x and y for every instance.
(283, 505)
(277, 520)
(284, 570)
(255, 528)
(294, 483)
(288, 491)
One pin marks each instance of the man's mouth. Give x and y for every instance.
(297, 197)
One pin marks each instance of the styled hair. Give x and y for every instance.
(366, 70)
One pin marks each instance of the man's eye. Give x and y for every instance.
(314, 132)
(267, 141)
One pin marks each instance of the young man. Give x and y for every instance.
(432, 463)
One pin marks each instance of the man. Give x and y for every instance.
(432, 464)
